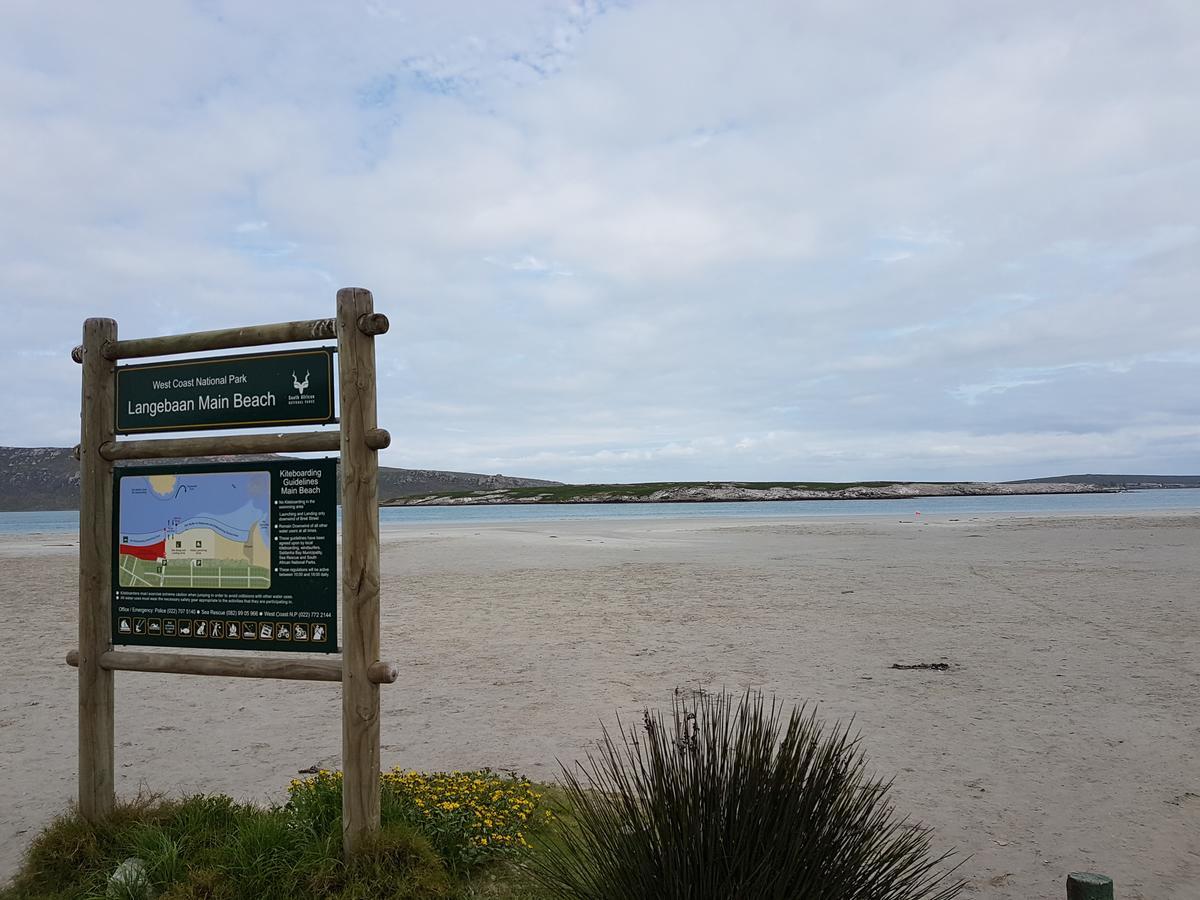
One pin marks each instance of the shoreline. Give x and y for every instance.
(67, 540)
(666, 504)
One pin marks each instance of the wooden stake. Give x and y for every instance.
(97, 792)
(1089, 886)
(360, 569)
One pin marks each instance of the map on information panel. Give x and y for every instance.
(196, 531)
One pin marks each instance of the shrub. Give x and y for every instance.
(211, 848)
(468, 817)
(730, 800)
(395, 862)
(316, 802)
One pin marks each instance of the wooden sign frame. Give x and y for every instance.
(357, 440)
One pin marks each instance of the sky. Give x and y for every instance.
(636, 241)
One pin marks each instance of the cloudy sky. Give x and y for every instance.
(637, 241)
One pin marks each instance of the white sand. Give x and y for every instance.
(1066, 735)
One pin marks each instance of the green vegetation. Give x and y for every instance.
(575, 493)
(453, 835)
(729, 799)
(726, 799)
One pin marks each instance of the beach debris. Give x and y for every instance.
(937, 667)
(847, 592)
(129, 880)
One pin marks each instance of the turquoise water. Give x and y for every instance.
(67, 521)
(41, 522)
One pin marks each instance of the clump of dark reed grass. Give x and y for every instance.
(730, 798)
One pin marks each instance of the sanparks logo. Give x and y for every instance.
(287, 388)
(301, 395)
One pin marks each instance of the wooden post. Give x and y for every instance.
(360, 567)
(97, 792)
(1089, 886)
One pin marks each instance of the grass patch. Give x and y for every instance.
(469, 818)
(444, 835)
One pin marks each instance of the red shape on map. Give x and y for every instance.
(151, 552)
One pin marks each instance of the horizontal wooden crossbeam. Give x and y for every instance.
(238, 445)
(174, 448)
(224, 339)
(236, 666)
(221, 339)
(229, 338)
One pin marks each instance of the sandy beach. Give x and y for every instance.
(1065, 734)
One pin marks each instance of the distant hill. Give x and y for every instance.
(738, 491)
(395, 483)
(48, 478)
(1130, 482)
(38, 478)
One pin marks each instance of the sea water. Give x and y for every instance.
(1149, 501)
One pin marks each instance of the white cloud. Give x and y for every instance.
(637, 240)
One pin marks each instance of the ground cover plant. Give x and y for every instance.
(444, 835)
(726, 798)
(730, 799)
(468, 817)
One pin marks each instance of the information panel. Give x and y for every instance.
(292, 387)
(236, 556)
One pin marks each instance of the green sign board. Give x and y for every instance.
(294, 387)
(235, 556)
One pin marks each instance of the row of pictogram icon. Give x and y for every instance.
(223, 629)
